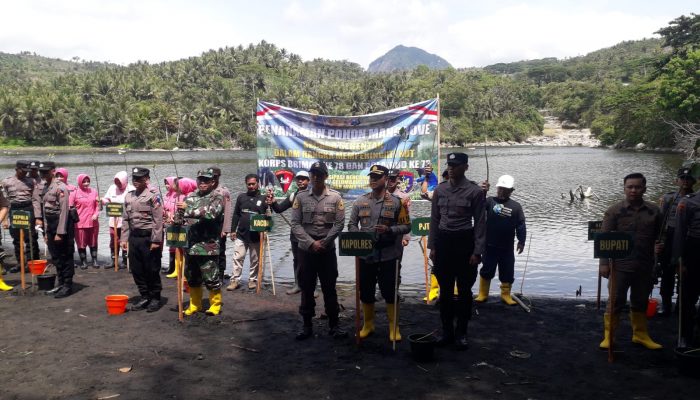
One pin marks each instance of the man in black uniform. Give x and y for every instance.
(142, 237)
(456, 243)
(58, 227)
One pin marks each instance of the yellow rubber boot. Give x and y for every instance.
(505, 294)
(484, 286)
(394, 333)
(195, 300)
(4, 286)
(214, 302)
(434, 288)
(173, 275)
(368, 318)
(607, 320)
(640, 334)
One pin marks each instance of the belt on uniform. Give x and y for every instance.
(140, 233)
(51, 216)
(21, 204)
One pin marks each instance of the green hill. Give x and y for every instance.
(28, 67)
(402, 58)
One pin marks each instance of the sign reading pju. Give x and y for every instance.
(356, 244)
(19, 219)
(176, 236)
(594, 228)
(260, 223)
(114, 209)
(420, 226)
(612, 245)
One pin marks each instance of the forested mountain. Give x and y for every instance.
(402, 58)
(626, 93)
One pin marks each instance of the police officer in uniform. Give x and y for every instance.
(686, 246)
(204, 210)
(142, 237)
(302, 181)
(386, 216)
(318, 216)
(58, 227)
(228, 214)
(4, 210)
(665, 268)
(18, 190)
(456, 242)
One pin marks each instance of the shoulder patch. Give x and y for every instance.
(295, 205)
(341, 205)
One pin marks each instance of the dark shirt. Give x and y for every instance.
(504, 219)
(247, 204)
(687, 222)
(644, 224)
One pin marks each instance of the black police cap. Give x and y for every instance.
(33, 164)
(378, 170)
(394, 172)
(22, 164)
(46, 166)
(457, 158)
(138, 172)
(319, 167)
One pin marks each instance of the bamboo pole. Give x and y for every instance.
(424, 247)
(180, 271)
(597, 300)
(261, 262)
(21, 259)
(357, 301)
(269, 262)
(116, 246)
(396, 305)
(611, 297)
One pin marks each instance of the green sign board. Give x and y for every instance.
(20, 219)
(176, 236)
(355, 244)
(114, 209)
(420, 226)
(260, 223)
(612, 245)
(594, 228)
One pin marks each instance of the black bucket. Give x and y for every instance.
(422, 346)
(688, 361)
(46, 281)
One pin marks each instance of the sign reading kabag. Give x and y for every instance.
(19, 219)
(612, 245)
(114, 209)
(291, 140)
(260, 223)
(420, 226)
(355, 244)
(176, 236)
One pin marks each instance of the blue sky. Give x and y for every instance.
(465, 33)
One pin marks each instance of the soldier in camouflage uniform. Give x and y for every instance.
(204, 210)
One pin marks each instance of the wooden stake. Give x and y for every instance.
(179, 267)
(21, 259)
(611, 300)
(261, 261)
(269, 262)
(357, 301)
(597, 300)
(116, 247)
(396, 305)
(424, 247)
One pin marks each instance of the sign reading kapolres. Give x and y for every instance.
(290, 140)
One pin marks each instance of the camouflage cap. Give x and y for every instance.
(206, 173)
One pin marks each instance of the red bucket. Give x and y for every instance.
(116, 303)
(651, 307)
(37, 267)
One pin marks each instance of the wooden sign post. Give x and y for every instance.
(594, 228)
(20, 220)
(356, 244)
(176, 236)
(263, 224)
(114, 210)
(612, 245)
(421, 227)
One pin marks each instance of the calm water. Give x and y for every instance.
(560, 257)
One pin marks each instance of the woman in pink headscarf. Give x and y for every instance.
(62, 175)
(181, 187)
(88, 205)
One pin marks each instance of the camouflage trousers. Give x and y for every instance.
(203, 270)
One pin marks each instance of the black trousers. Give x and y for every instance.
(690, 290)
(384, 273)
(668, 270)
(452, 265)
(145, 266)
(222, 257)
(31, 238)
(61, 250)
(324, 267)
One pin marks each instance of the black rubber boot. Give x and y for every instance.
(83, 258)
(93, 255)
(306, 331)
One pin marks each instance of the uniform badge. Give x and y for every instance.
(341, 205)
(295, 205)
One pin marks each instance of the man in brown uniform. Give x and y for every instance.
(642, 219)
(142, 237)
(318, 216)
(4, 210)
(58, 227)
(18, 189)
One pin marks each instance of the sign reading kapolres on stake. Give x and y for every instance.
(290, 140)
(114, 209)
(356, 244)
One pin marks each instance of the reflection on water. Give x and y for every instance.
(561, 258)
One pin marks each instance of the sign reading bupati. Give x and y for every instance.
(114, 209)
(290, 140)
(260, 223)
(355, 244)
(594, 228)
(176, 236)
(420, 226)
(612, 245)
(19, 219)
